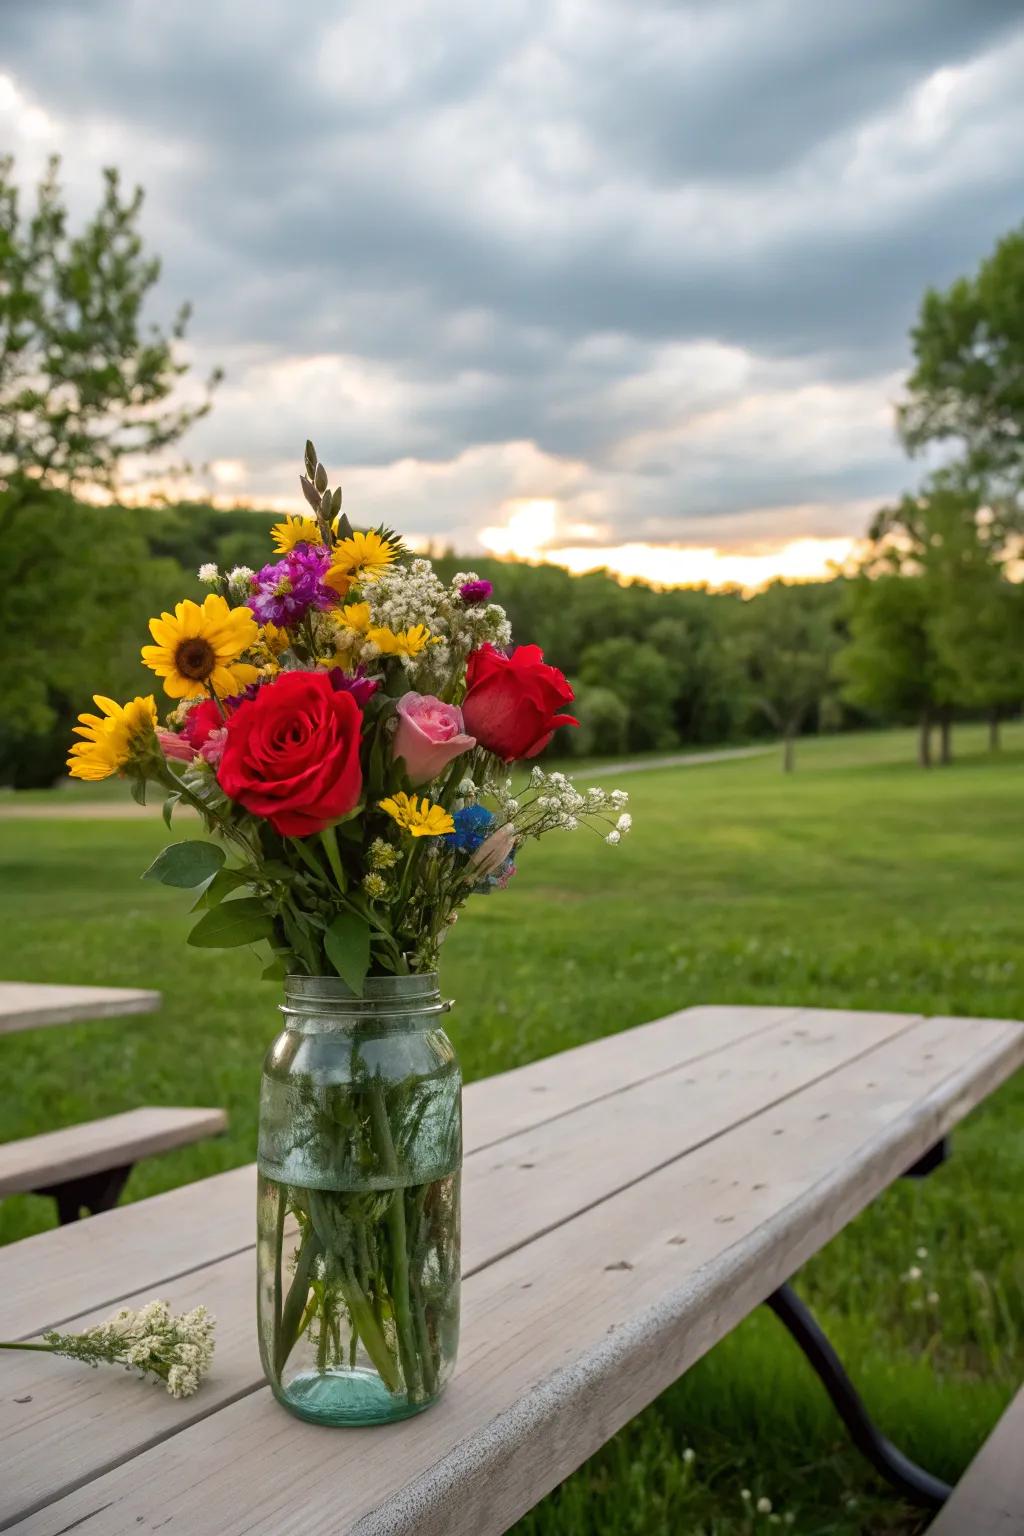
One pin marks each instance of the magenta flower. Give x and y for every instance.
(476, 591)
(284, 593)
(361, 687)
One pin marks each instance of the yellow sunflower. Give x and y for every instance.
(361, 558)
(112, 738)
(402, 642)
(295, 530)
(421, 818)
(197, 648)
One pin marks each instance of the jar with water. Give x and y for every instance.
(360, 1151)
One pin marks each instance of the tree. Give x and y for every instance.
(604, 724)
(891, 665)
(957, 549)
(83, 386)
(789, 644)
(643, 679)
(967, 386)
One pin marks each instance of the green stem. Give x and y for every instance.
(329, 843)
(385, 1146)
(46, 1349)
(295, 1304)
(374, 1342)
(282, 1210)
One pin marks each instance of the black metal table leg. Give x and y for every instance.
(917, 1485)
(95, 1192)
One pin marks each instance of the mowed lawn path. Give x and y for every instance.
(859, 882)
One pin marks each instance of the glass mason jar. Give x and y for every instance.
(360, 1153)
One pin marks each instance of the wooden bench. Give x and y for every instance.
(34, 1005)
(989, 1498)
(625, 1205)
(87, 1166)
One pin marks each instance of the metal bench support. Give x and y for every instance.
(95, 1192)
(913, 1482)
(917, 1485)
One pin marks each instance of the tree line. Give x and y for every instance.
(928, 629)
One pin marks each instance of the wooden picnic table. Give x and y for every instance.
(626, 1204)
(31, 1005)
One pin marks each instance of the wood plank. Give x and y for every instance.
(46, 1279)
(989, 1498)
(569, 1336)
(33, 1005)
(96, 1145)
(513, 1193)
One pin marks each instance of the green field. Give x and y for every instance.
(859, 882)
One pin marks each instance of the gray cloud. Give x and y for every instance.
(675, 247)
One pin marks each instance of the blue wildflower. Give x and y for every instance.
(472, 826)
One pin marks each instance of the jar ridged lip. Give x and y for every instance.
(382, 995)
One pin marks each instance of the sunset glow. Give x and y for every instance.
(535, 531)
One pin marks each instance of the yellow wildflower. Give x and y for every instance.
(419, 817)
(402, 642)
(113, 738)
(197, 648)
(357, 616)
(338, 579)
(276, 639)
(361, 558)
(295, 530)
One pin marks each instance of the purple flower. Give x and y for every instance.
(476, 591)
(284, 593)
(361, 687)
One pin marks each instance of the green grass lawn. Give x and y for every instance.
(860, 882)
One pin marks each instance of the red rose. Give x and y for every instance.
(292, 754)
(512, 702)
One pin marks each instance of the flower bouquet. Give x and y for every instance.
(342, 722)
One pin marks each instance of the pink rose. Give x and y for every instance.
(430, 735)
(175, 746)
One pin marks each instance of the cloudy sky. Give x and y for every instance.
(619, 280)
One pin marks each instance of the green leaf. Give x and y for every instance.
(218, 886)
(347, 942)
(234, 922)
(168, 810)
(277, 970)
(186, 864)
(139, 791)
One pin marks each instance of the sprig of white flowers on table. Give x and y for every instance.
(174, 1350)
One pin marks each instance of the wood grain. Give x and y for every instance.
(989, 1499)
(514, 1190)
(570, 1334)
(96, 1145)
(33, 1005)
(54, 1276)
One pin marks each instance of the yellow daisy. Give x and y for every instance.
(356, 616)
(338, 579)
(197, 648)
(113, 738)
(419, 817)
(402, 642)
(295, 530)
(362, 557)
